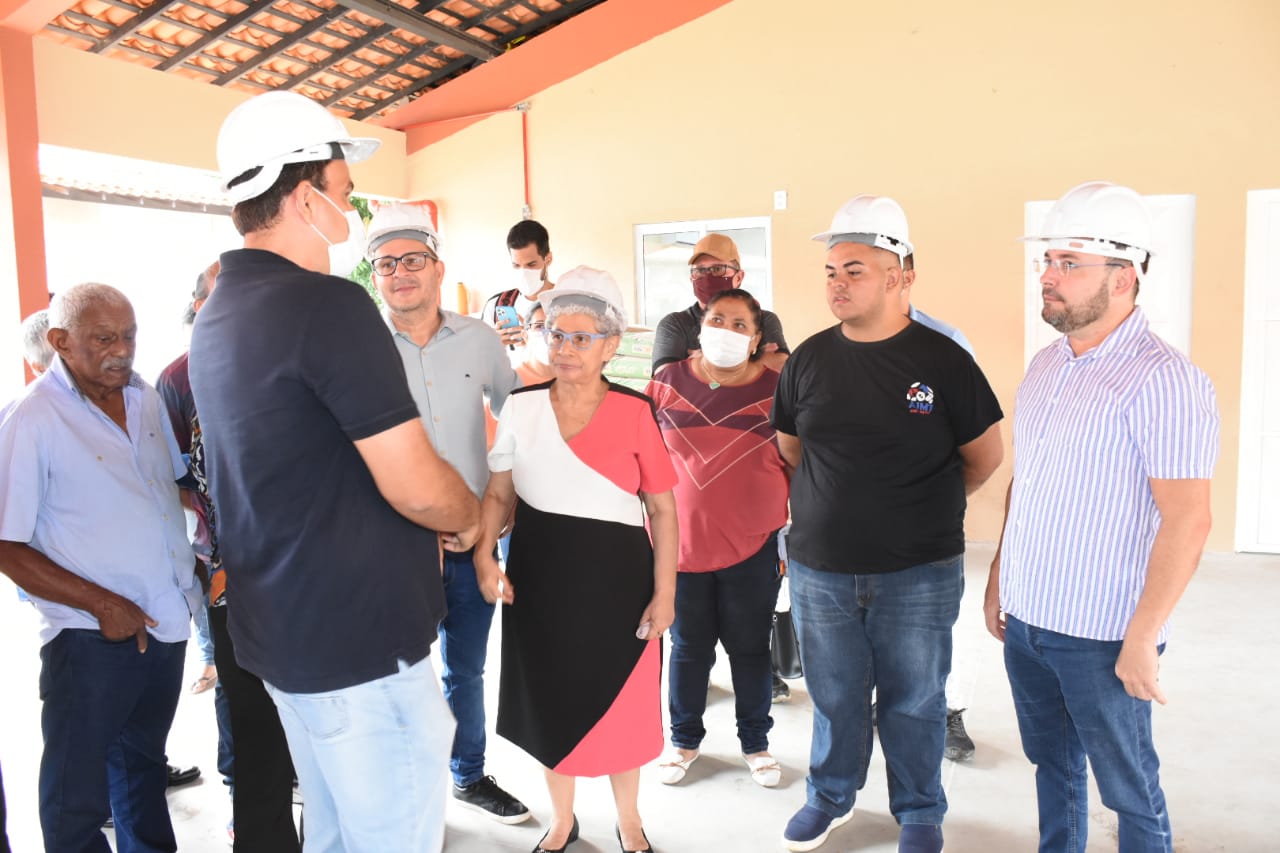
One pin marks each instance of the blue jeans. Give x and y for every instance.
(464, 644)
(370, 761)
(105, 718)
(1071, 705)
(733, 605)
(885, 632)
(204, 639)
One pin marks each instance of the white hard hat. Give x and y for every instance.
(411, 221)
(872, 220)
(1099, 218)
(275, 129)
(586, 281)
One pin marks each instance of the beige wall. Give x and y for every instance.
(93, 103)
(961, 114)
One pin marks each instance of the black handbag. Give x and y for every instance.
(784, 647)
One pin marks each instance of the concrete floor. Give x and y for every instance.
(1221, 757)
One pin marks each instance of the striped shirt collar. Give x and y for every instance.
(1123, 338)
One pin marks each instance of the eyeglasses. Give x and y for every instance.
(1040, 266)
(411, 261)
(580, 340)
(716, 270)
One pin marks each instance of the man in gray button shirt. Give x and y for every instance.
(452, 362)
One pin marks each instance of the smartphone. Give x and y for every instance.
(505, 316)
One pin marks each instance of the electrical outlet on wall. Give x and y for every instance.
(780, 200)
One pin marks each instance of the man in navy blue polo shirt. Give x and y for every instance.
(328, 490)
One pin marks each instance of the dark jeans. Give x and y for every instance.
(885, 632)
(733, 605)
(464, 644)
(262, 802)
(1071, 705)
(4, 838)
(106, 714)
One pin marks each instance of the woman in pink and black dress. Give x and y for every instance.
(732, 499)
(587, 594)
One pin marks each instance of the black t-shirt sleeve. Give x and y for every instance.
(670, 343)
(783, 416)
(773, 332)
(350, 361)
(974, 407)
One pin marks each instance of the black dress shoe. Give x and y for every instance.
(178, 776)
(573, 836)
(648, 848)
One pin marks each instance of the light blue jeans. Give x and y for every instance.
(372, 762)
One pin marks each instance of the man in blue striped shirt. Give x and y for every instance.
(1115, 439)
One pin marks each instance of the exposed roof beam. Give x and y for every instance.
(213, 35)
(286, 41)
(431, 79)
(130, 27)
(425, 28)
(338, 55)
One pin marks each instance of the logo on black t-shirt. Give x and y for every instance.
(919, 399)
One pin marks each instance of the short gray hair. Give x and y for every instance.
(35, 340)
(608, 320)
(70, 304)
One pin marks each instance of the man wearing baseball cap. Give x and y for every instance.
(714, 266)
(889, 425)
(328, 491)
(453, 363)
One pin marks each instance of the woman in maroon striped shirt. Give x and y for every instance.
(731, 500)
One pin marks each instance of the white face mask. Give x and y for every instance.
(724, 348)
(345, 256)
(536, 348)
(528, 282)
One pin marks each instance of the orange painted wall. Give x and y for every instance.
(963, 112)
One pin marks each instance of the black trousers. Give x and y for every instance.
(263, 804)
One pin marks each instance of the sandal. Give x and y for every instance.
(205, 682)
(672, 768)
(765, 770)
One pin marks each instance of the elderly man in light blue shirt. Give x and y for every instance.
(92, 528)
(452, 363)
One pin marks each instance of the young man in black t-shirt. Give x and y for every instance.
(328, 490)
(889, 426)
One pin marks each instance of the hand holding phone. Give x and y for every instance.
(505, 316)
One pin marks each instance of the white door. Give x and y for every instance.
(1258, 498)
(662, 262)
(1165, 295)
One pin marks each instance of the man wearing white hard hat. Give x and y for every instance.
(889, 426)
(328, 490)
(453, 363)
(1115, 437)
